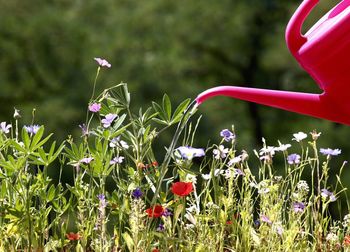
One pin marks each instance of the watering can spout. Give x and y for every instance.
(294, 38)
(316, 105)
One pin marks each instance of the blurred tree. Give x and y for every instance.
(175, 47)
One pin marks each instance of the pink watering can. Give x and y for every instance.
(324, 52)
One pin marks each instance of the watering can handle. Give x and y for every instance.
(294, 38)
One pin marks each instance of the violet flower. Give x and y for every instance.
(238, 172)
(227, 135)
(189, 153)
(220, 152)
(117, 160)
(103, 201)
(107, 121)
(330, 152)
(32, 129)
(102, 62)
(94, 107)
(167, 212)
(265, 219)
(293, 159)
(84, 129)
(86, 160)
(325, 194)
(137, 193)
(5, 128)
(298, 207)
(160, 228)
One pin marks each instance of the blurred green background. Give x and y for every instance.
(176, 47)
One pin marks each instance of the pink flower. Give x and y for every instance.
(102, 62)
(94, 107)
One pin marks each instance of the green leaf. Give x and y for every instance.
(160, 121)
(25, 139)
(51, 193)
(119, 121)
(179, 111)
(178, 211)
(37, 137)
(167, 107)
(128, 240)
(159, 110)
(17, 146)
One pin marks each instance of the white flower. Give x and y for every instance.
(235, 160)
(331, 237)
(117, 160)
(206, 176)
(191, 178)
(228, 174)
(277, 228)
(191, 218)
(299, 136)
(116, 142)
(220, 152)
(212, 205)
(5, 128)
(217, 172)
(303, 186)
(189, 226)
(269, 150)
(191, 209)
(283, 147)
(346, 221)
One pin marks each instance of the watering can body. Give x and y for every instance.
(324, 52)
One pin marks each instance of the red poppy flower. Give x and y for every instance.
(73, 236)
(155, 211)
(346, 240)
(229, 222)
(155, 250)
(182, 188)
(155, 164)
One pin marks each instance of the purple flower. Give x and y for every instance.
(95, 107)
(84, 129)
(167, 212)
(293, 159)
(160, 228)
(5, 128)
(189, 153)
(101, 197)
(137, 193)
(265, 219)
(220, 152)
(109, 118)
(32, 129)
(227, 135)
(330, 152)
(257, 223)
(116, 160)
(325, 194)
(103, 201)
(86, 160)
(238, 172)
(102, 62)
(298, 207)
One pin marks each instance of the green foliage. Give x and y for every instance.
(220, 205)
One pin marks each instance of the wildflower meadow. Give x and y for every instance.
(193, 198)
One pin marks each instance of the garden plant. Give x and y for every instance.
(192, 198)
